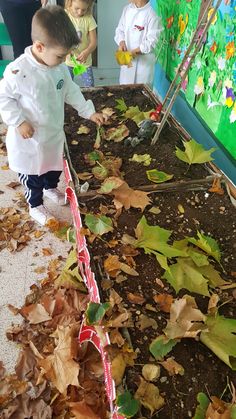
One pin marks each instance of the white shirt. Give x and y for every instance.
(33, 92)
(139, 27)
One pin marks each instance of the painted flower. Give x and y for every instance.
(212, 79)
(230, 97)
(182, 24)
(209, 16)
(221, 63)
(233, 114)
(230, 50)
(214, 47)
(198, 63)
(199, 86)
(228, 83)
(170, 21)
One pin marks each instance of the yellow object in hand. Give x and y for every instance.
(124, 57)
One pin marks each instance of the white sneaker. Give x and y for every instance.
(40, 214)
(55, 195)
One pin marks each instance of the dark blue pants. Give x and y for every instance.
(34, 186)
(18, 17)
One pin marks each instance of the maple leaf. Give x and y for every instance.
(186, 320)
(35, 313)
(109, 184)
(194, 153)
(60, 367)
(185, 274)
(128, 197)
(70, 276)
(208, 244)
(98, 224)
(113, 266)
(220, 337)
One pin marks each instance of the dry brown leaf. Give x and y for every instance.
(38, 233)
(218, 409)
(85, 175)
(172, 366)
(108, 111)
(126, 197)
(113, 266)
(164, 302)
(135, 298)
(81, 410)
(146, 322)
(118, 366)
(47, 251)
(216, 187)
(116, 338)
(60, 367)
(149, 396)
(13, 185)
(35, 313)
(40, 269)
(5, 167)
(186, 320)
(212, 305)
(151, 372)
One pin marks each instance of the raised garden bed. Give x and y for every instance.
(185, 210)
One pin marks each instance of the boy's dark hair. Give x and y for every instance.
(52, 26)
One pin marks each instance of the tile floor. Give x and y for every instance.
(17, 269)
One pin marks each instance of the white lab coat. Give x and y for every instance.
(139, 28)
(36, 93)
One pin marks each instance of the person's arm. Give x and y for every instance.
(151, 36)
(44, 2)
(120, 33)
(82, 57)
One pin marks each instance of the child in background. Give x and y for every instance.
(80, 14)
(33, 94)
(138, 31)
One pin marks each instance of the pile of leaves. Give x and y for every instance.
(54, 376)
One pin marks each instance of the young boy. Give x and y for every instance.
(138, 31)
(33, 93)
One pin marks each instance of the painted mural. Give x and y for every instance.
(210, 87)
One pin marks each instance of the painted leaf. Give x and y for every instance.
(220, 338)
(185, 274)
(98, 224)
(127, 406)
(95, 312)
(208, 244)
(157, 176)
(194, 153)
(161, 346)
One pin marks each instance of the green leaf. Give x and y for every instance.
(98, 224)
(121, 106)
(154, 238)
(212, 275)
(93, 157)
(158, 177)
(161, 346)
(145, 159)
(127, 405)
(99, 137)
(220, 338)
(208, 244)
(194, 153)
(95, 312)
(185, 274)
(109, 184)
(70, 276)
(100, 172)
(202, 406)
(198, 257)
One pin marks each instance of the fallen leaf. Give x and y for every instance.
(83, 129)
(172, 367)
(13, 185)
(149, 396)
(151, 372)
(145, 322)
(157, 176)
(135, 298)
(47, 251)
(98, 224)
(164, 302)
(85, 175)
(145, 159)
(118, 367)
(216, 187)
(117, 134)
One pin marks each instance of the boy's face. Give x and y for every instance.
(50, 56)
(78, 8)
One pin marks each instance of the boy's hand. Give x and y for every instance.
(122, 46)
(26, 130)
(135, 52)
(98, 118)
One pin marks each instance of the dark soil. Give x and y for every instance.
(206, 212)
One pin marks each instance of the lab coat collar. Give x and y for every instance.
(141, 8)
(28, 53)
